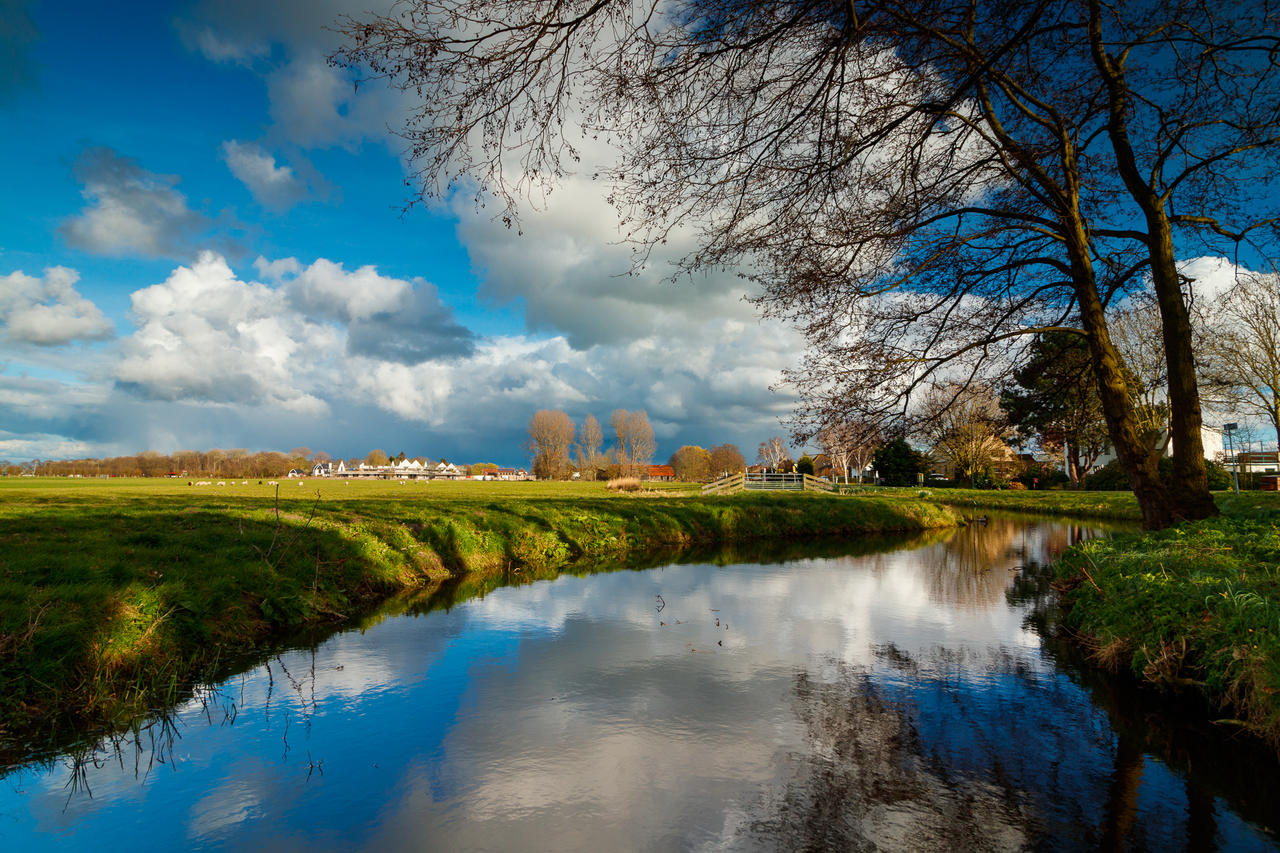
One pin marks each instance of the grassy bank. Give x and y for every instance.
(115, 596)
(1192, 608)
(1108, 506)
(1195, 607)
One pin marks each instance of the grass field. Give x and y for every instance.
(115, 595)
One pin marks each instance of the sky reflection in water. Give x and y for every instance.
(899, 700)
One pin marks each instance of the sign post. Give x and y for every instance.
(1235, 463)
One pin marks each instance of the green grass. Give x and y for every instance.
(1195, 607)
(115, 596)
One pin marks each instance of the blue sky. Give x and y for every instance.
(202, 244)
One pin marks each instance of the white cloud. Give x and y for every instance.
(311, 103)
(206, 41)
(386, 318)
(568, 270)
(42, 446)
(273, 186)
(48, 311)
(204, 334)
(131, 210)
(1211, 277)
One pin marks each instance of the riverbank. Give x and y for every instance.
(116, 599)
(1107, 506)
(1195, 608)
(1192, 608)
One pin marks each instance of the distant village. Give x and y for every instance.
(411, 469)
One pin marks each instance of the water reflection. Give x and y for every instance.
(901, 699)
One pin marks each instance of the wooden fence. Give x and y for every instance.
(752, 482)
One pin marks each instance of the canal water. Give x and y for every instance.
(905, 699)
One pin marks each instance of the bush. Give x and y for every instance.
(1111, 477)
(624, 484)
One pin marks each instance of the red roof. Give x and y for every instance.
(661, 471)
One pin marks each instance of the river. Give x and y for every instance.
(904, 699)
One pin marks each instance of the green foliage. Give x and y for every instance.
(1109, 478)
(1197, 604)
(804, 465)
(898, 464)
(692, 464)
(1054, 395)
(1112, 478)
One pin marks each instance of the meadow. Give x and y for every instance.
(118, 596)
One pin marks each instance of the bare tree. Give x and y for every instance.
(635, 439)
(1136, 330)
(1243, 357)
(773, 454)
(550, 434)
(965, 427)
(916, 183)
(851, 444)
(590, 440)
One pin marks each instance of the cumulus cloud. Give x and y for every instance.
(569, 273)
(1210, 276)
(212, 46)
(49, 311)
(311, 103)
(386, 318)
(319, 338)
(131, 210)
(204, 334)
(273, 186)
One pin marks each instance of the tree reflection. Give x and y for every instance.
(901, 759)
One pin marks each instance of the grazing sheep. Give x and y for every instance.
(272, 483)
(222, 482)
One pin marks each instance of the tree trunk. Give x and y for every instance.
(1117, 407)
(1113, 389)
(1190, 484)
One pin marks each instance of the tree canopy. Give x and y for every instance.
(1054, 397)
(920, 185)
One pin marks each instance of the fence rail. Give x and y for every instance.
(767, 481)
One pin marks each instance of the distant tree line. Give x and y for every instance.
(235, 462)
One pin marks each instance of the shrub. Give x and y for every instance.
(624, 484)
(1111, 477)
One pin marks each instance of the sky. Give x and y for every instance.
(204, 243)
